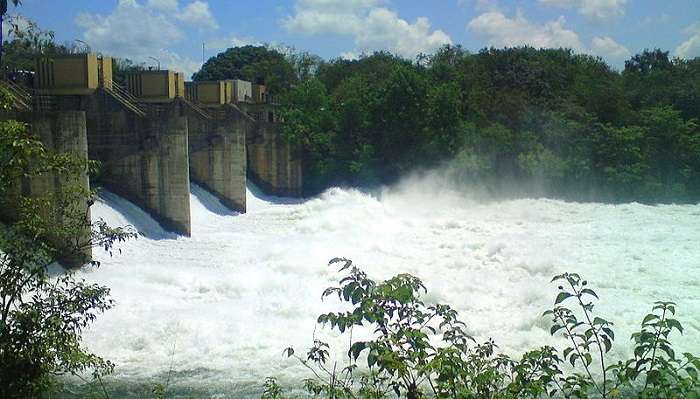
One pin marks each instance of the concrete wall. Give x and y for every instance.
(241, 90)
(143, 159)
(273, 163)
(61, 132)
(153, 86)
(218, 154)
(71, 74)
(207, 93)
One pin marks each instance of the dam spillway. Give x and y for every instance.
(218, 308)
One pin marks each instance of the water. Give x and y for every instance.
(215, 311)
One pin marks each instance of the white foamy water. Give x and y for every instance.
(219, 308)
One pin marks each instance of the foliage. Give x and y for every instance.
(546, 116)
(252, 63)
(27, 41)
(421, 350)
(123, 66)
(43, 312)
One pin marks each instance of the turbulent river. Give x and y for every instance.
(212, 314)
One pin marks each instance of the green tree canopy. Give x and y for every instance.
(567, 121)
(252, 63)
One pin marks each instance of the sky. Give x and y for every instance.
(179, 33)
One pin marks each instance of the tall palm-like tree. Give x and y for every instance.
(3, 11)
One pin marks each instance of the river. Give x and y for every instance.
(212, 314)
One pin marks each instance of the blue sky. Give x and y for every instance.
(173, 30)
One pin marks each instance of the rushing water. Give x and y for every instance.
(215, 311)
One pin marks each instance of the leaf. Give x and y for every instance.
(609, 332)
(555, 328)
(356, 348)
(573, 358)
(561, 297)
(289, 352)
(649, 318)
(403, 294)
(567, 351)
(589, 292)
(607, 344)
(669, 351)
(673, 323)
(557, 277)
(371, 358)
(653, 376)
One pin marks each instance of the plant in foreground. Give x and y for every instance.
(42, 314)
(419, 350)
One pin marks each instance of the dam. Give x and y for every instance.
(155, 133)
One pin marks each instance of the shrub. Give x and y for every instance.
(420, 350)
(42, 315)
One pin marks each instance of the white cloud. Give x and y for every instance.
(593, 9)
(163, 5)
(608, 48)
(178, 62)
(130, 30)
(372, 27)
(231, 41)
(198, 14)
(349, 55)
(482, 5)
(138, 31)
(691, 47)
(314, 17)
(383, 29)
(501, 31)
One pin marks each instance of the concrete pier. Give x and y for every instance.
(273, 163)
(218, 154)
(144, 159)
(62, 133)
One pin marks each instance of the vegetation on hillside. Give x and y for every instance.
(420, 350)
(566, 121)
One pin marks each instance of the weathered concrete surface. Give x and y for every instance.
(217, 150)
(272, 162)
(63, 133)
(143, 159)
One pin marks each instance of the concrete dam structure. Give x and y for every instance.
(157, 133)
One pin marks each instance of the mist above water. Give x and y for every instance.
(216, 310)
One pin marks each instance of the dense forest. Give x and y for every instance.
(554, 122)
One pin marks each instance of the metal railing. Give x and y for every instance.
(23, 100)
(194, 107)
(125, 98)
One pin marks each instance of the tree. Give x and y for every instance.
(648, 61)
(122, 67)
(43, 314)
(309, 124)
(28, 41)
(253, 63)
(3, 11)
